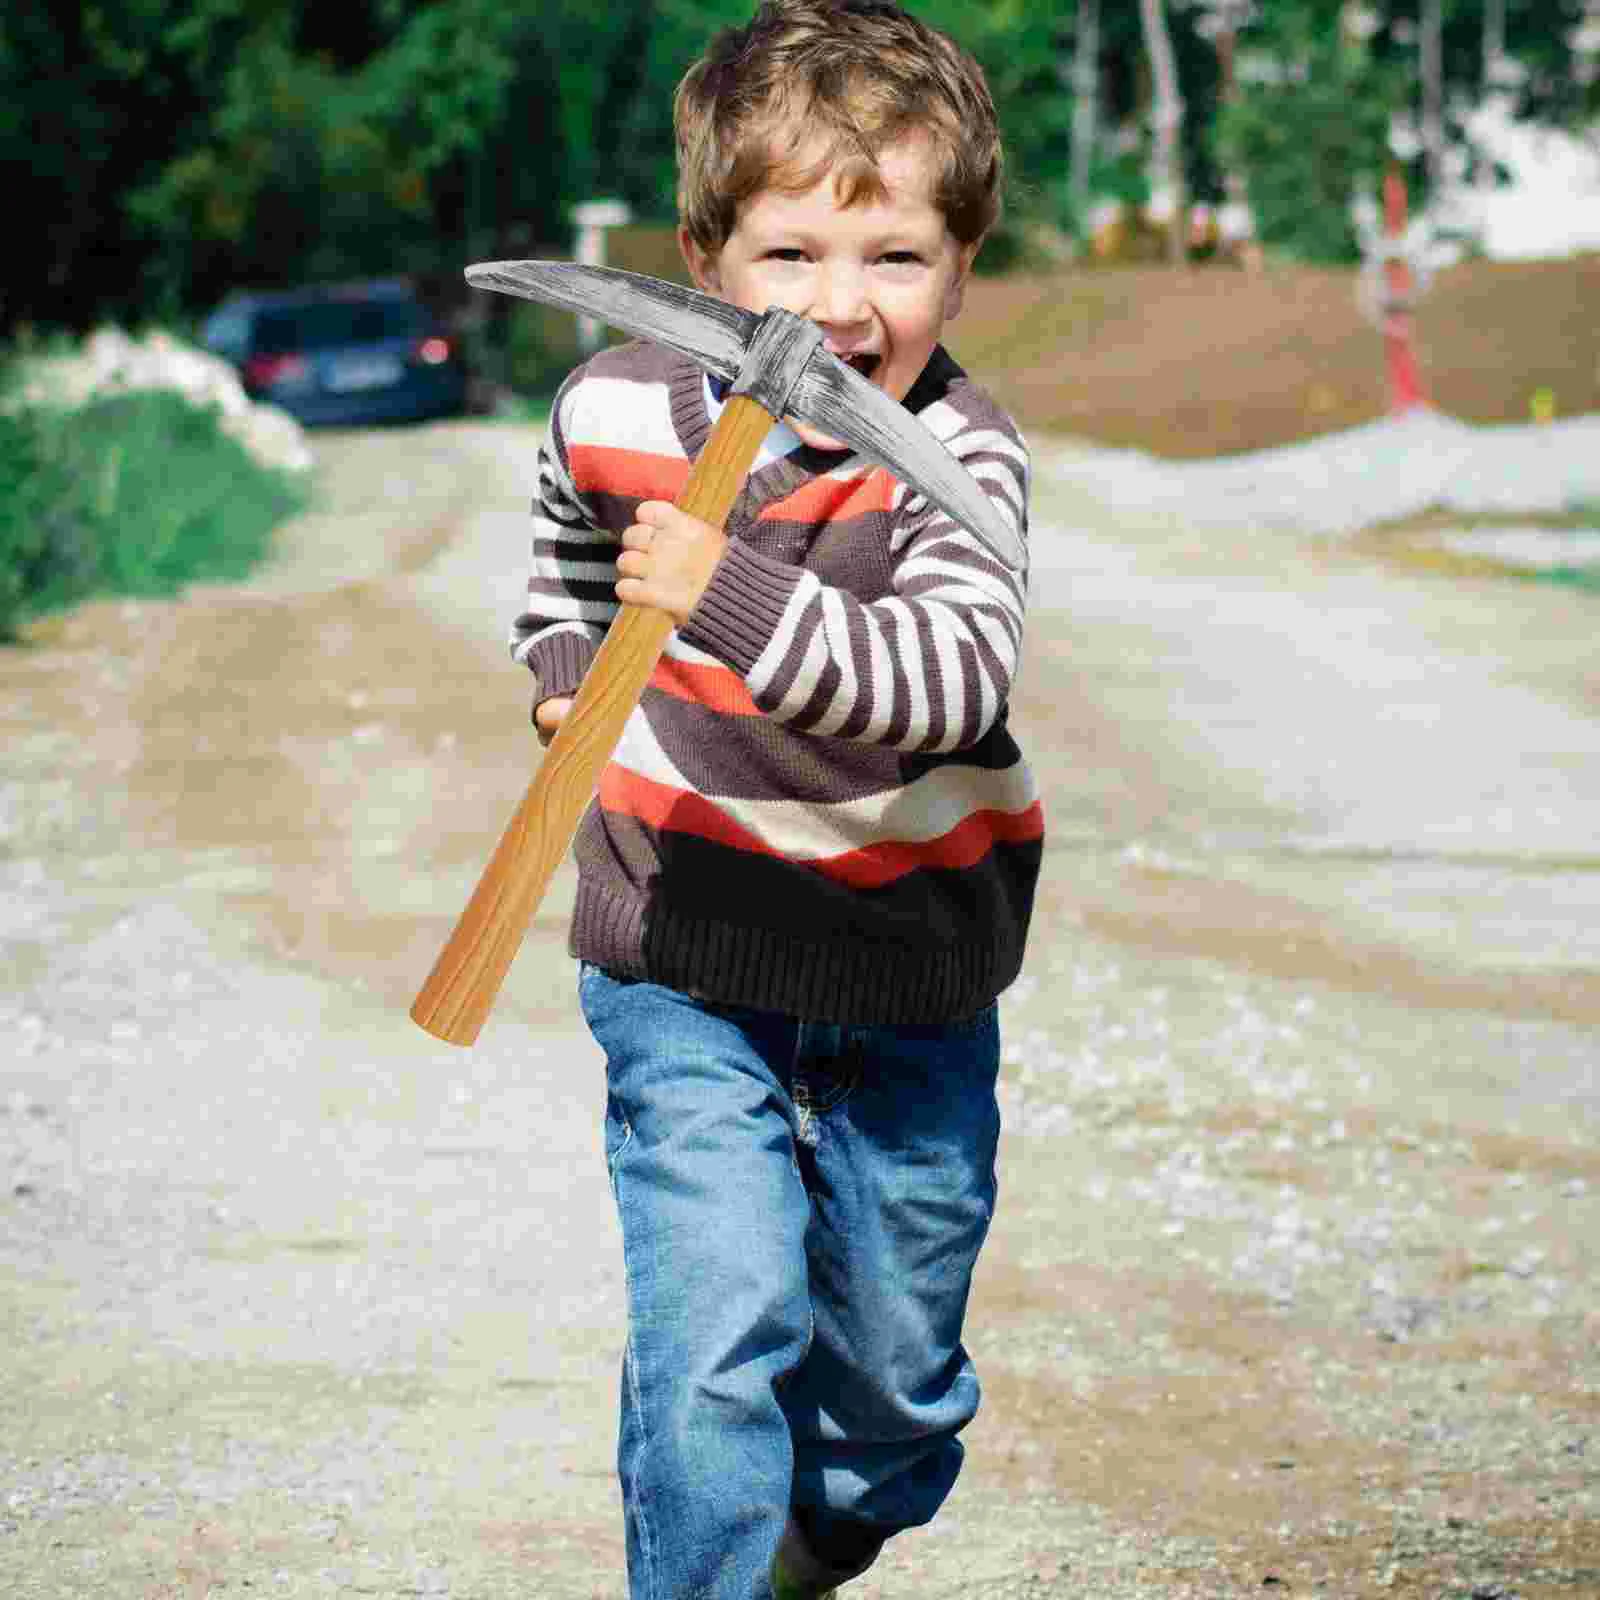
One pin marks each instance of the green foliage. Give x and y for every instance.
(1023, 49)
(31, 560)
(1305, 142)
(1538, 38)
(183, 147)
(541, 348)
(1586, 579)
(310, 171)
(95, 100)
(137, 494)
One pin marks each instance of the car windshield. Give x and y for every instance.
(336, 322)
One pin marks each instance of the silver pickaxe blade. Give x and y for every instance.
(706, 330)
(837, 399)
(825, 392)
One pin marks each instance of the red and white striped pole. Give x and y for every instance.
(1400, 292)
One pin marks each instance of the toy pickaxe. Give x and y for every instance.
(778, 368)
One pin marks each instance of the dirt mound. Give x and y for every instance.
(1213, 360)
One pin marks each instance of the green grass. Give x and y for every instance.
(1406, 541)
(1585, 514)
(138, 494)
(1585, 578)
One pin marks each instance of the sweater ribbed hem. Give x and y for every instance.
(742, 607)
(846, 982)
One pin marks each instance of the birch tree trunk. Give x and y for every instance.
(1085, 108)
(1168, 119)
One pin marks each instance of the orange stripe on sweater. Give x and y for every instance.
(831, 499)
(627, 472)
(716, 688)
(672, 810)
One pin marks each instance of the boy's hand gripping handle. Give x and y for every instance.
(456, 1000)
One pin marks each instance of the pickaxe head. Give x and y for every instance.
(777, 360)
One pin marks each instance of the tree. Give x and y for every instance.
(95, 99)
(177, 147)
(1309, 123)
(1085, 106)
(1167, 121)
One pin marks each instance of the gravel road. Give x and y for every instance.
(1293, 1289)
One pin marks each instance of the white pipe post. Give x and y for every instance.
(592, 218)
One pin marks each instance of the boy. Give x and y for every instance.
(810, 865)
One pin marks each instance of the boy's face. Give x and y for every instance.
(881, 277)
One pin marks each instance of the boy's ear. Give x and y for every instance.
(702, 264)
(956, 295)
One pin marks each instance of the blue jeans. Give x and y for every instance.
(802, 1206)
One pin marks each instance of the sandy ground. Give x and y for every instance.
(1293, 1288)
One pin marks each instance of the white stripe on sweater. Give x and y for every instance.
(647, 407)
(805, 830)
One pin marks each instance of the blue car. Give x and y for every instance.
(341, 355)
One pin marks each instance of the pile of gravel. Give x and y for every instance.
(1342, 482)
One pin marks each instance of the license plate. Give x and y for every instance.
(363, 372)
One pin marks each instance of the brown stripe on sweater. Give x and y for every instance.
(822, 697)
(900, 680)
(686, 404)
(789, 669)
(992, 666)
(928, 651)
(752, 758)
(954, 547)
(639, 361)
(613, 512)
(851, 554)
(860, 632)
(972, 697)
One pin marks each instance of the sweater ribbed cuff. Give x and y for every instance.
(559, 664)
(742, 607)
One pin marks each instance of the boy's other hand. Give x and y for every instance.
(667, 560)
(548, 715)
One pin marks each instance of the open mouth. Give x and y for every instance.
(863, 363)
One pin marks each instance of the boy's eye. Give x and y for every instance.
(787, 253)
(901, 258)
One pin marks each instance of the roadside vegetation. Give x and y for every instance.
(130, 494)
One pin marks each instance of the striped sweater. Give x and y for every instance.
(817, 807)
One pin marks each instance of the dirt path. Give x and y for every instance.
(1293, 1289)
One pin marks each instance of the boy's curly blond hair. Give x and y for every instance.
(858, 75)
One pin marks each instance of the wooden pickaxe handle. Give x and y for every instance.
(456, 1000)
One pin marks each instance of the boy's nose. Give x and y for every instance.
(841, 299)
